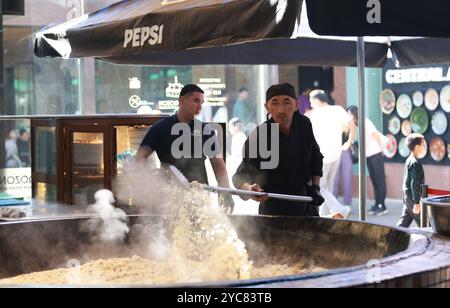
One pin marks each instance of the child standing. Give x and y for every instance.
(414, 176)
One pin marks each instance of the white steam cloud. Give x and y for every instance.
(112, 225)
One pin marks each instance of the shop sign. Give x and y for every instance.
(213, 88)
(135, 83)
(16, 182)
(173, 91)
(416, 75)
(138, 37)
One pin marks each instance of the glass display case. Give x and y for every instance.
(73, 157)
(87, 166)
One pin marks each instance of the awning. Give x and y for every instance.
(130, 28)
(201, 32)
(195, 32)
(380, 17)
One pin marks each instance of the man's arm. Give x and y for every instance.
(220, 171)
(316, 180)
(316, 163)
(245, 178)
(143, 153)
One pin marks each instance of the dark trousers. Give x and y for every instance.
(408, 215)
(375, 164)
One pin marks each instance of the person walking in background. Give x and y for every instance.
(304, 105)
(242, 109)
(413, 177)
(375, 145)
(328, 123)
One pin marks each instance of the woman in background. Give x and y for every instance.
(344, 175)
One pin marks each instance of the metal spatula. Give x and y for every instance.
(183, 181)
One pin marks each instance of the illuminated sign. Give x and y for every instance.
(173, 90)
(16, 182)
(213, 88)
(415, 75)
(135, 83)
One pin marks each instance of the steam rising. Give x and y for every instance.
(112, 224)
(196, 230)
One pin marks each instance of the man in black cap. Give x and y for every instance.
(180, 140)
(299, 164)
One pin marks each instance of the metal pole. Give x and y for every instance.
(424, 209)
(2, 101)
(362, 128)
(80, 67)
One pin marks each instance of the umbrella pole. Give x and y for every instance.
(362, 128)
(3, 108)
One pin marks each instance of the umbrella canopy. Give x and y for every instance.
(129, 27)
(201, 32)
(380, 17)
(420, 51)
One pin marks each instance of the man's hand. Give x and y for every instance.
(226, 202)
(417, 209)
(256, 187)
(314, 192)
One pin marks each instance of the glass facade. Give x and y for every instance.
(50, 86)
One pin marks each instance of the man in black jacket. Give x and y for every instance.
(295, 164)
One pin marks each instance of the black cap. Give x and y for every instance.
(281, 89)
(190, 88)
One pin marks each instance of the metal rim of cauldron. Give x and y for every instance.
(417, 248)
(433, 201)
(439, 212)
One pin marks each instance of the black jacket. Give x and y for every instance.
(299, 160)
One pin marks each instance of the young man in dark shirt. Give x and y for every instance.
(299, 160)
(413, 178)
(184, 142)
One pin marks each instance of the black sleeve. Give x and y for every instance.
(153, 138)
(316, 164)
(417, 179)
(249, 170)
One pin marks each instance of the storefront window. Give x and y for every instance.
(53, 86)
(231, 91)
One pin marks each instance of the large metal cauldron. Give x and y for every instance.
(338, 245)
(439, 209)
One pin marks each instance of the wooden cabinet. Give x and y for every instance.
(73, 157)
